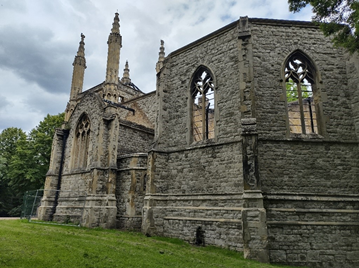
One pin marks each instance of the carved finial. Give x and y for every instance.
(116, 24)
(161, 57)
(81, 50)
(162, 51)
(126, 75)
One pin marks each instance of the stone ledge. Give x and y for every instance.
(310, 197)
(164, 197)
(101, 207)
(313, 210)
(203, 208)
(201, 219)
(132, 155)
(195, 146)
(312, 223)
(132, 168)
(307, 140)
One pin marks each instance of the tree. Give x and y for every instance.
(24, 162)
(40, 139)
(337, 18)
(292, 91)
(10, 139)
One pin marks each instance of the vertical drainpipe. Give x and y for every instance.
(58, 187)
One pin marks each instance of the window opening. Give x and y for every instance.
(299, 77)
(82, 138)
(202, 90)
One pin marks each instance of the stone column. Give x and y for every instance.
(255, 238)
(100, 205)
(148, 224)
(52, 178)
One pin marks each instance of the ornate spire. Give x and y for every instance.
(81, 50)
(77, 77)
(161, 57)
(116, 24)
(80, 56)
(113, 60)
(126, 75)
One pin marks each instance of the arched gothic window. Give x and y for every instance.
(203, 104)
(81, 142)
(300, 91)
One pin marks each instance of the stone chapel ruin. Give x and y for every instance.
(251, 135)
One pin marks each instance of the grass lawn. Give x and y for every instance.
(24, 244)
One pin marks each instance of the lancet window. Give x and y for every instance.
(81, 142)
(300, 91)
(203, 105)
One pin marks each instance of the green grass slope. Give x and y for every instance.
(24, 244)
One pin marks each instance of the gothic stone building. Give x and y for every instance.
(251, 134)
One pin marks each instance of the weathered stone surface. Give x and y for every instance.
(253, 186)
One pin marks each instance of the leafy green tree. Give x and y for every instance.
(24, 161)
(10, 139)
(40, 139)
(338, 19)
(292, 91)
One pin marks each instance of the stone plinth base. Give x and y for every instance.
(255, 238)
(100, 211)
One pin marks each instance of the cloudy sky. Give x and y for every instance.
(39, 39)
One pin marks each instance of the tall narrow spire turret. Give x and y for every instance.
(126, 75)
(161, 57)
(113, 59)
(77, 77)
(79, 70)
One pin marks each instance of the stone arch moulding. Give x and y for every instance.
(80, 144)
(202, 105)
(301, 82)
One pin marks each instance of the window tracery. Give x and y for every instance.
(203, 105)
(81, 143)
(300, 89)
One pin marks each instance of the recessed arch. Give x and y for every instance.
(81, 142)
(301, 79)
(202, 104)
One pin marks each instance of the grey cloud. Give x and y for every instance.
(21, 120)
(18, 6)
(46, 103)
(36, 57)
(3, 102)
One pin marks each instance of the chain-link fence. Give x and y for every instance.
(54, 206)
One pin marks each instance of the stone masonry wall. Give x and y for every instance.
(309, 182)
(92, 106)
(271, 46)
(204, 170)
(307, 167)
(218, 53)
(134, 138)
(200, 187)
(353, 85)
(96, 178)
(313, 230)
(145, 110)
(199, 184)
(130, 190)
